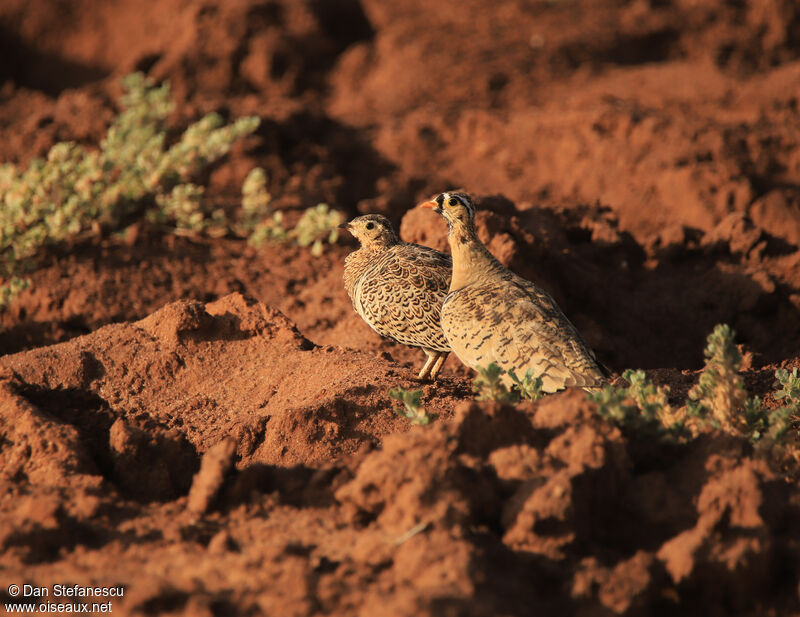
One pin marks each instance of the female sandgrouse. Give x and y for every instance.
(398, 288)
(493, 315)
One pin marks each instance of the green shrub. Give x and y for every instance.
(773, 425)
(315, 226)
(269, 231)
(719, 401)
(183, 209)
(255, 200)
(720, 396)
(641, 405)
(74, 191)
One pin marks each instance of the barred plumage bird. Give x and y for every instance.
(493, 315)
(398, 288)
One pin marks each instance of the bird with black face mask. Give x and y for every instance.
(491, 315)
(398, 288)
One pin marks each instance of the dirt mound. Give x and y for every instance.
(206, 371)
(490, 509)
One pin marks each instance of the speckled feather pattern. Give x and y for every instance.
(493, 315)
(398, 290)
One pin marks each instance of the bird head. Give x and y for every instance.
(456, 208)
(372, 230)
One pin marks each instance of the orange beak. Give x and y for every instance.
(431, 205)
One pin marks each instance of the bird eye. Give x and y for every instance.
(453, 201)
(370, 225)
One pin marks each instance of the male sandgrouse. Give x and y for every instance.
(493, 315)
(398, 288)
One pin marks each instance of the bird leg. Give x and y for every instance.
(426, 369)
(441, 357)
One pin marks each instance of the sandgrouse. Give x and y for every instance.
(493, 315)
(398, 288)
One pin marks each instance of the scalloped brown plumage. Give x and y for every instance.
(493, 315)
(398, 288)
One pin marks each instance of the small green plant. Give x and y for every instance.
(412, 402)
(773, 425)
(489, 385)
(74, 191)
(11, 290)
(640, 405)
(315, 226)
(529, 387)
(652, 400)
(615, 404)
(719, 401)
(269, 231)
(256, 222)
(720, 396)
(790, 387)
(183, 208)
(255, 200)
(767, 427)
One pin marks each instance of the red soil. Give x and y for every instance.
(208, 425)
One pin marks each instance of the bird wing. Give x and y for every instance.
(402, 292)
(519, 327)
(543, 340)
